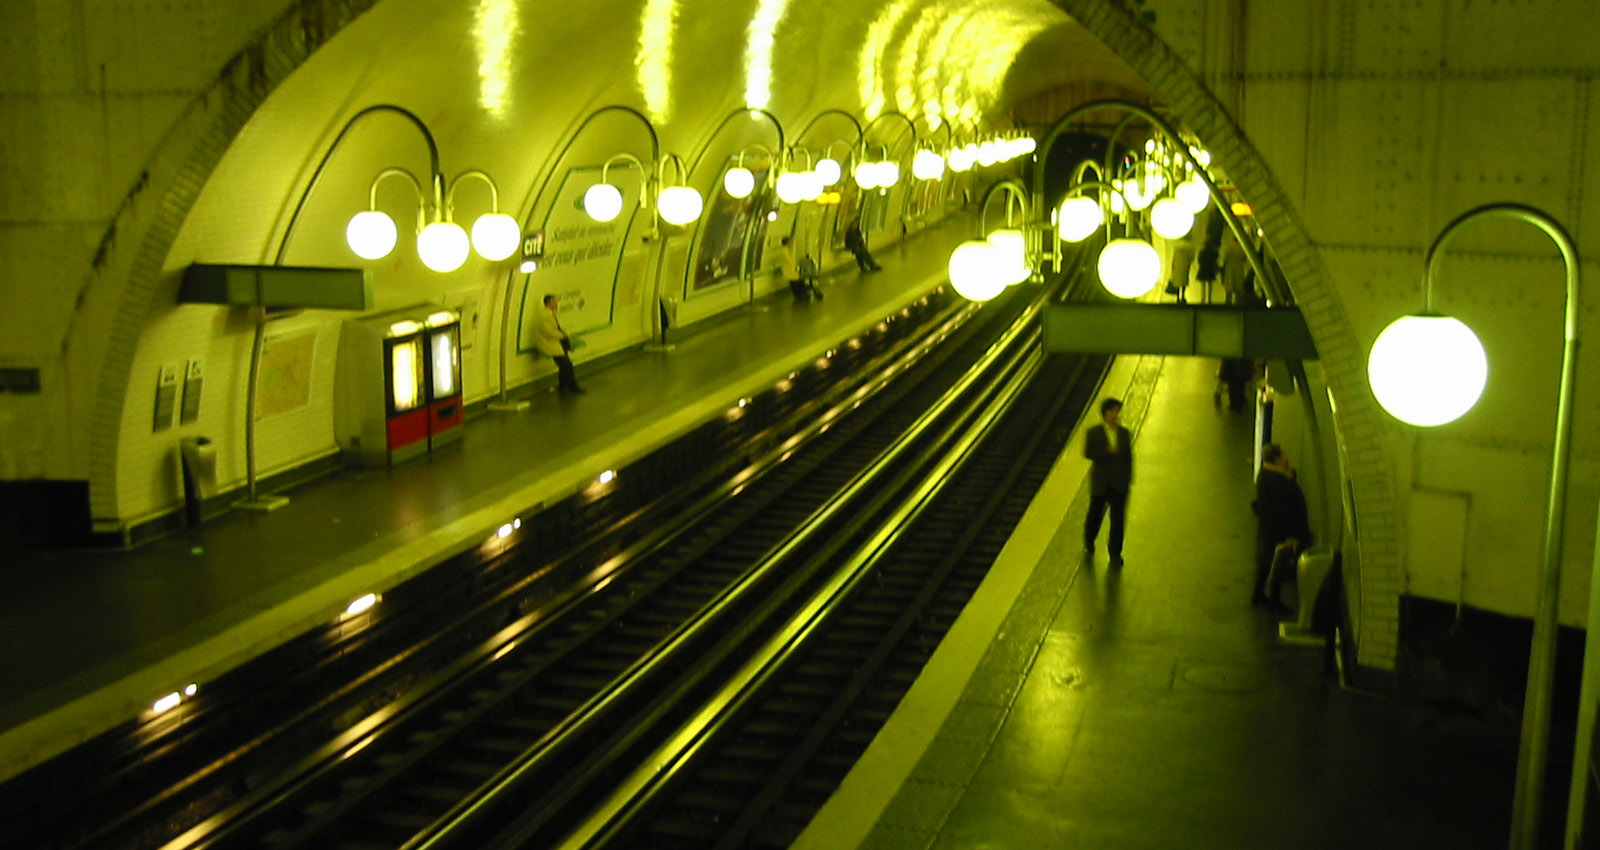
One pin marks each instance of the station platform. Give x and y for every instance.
(88, 639)
(1074, 705)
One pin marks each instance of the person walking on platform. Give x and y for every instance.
(857, 243)
(1283, 528)
(554, 342)
(1109, 448)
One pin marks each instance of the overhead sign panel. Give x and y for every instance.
(1204, 330)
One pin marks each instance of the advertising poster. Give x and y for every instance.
(581, 256)
(284, 383)
(730, 224)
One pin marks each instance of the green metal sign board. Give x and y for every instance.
(1204, 330)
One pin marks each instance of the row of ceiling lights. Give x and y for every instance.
(444, 246)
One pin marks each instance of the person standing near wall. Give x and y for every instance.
(554, 342)
(1109, 447)
(1283, 527)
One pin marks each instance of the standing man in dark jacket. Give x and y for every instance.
(1109, 447)
(1281, 523)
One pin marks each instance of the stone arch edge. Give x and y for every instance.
(173, 176)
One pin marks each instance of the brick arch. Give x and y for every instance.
(170, 184)
(1342, 354)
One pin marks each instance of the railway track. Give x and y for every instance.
(865, 527)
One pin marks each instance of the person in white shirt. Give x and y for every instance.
(554, 342)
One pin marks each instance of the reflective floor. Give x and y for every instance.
(1152, 707)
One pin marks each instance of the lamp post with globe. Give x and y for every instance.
(1428, 369)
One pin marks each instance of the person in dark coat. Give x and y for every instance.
(1283, 528)
(857, 243)
(1109, 447)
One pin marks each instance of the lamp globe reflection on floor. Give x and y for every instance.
(1402, 349)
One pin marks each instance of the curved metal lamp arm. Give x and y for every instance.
(840, 112)
(1541, 663)
(683, 170)
(450, 196)
(416, 187)
(777, 127)
(911, 125)
(1172, 134)
(322, 164)
(1013, 189)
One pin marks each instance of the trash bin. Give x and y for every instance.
(1312, 572)
(198, 457)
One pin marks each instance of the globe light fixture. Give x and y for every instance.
(812, 183)
(867, 175)
(791, 187)
(973, 270)
(1171, 219)
(888, 174)
(828, 170)
(960, 159)
(496, 236)
(927, 165)
(1129, 268)
(602, 202)
(1427, 370)
(679, 205)
(1010, 256)
(738, 182)
(371, 234)
(443, 246)
(1078, 218)
(1194, 195)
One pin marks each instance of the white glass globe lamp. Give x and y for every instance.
(1027, 144)
(987, 155)
(972, 269)
(791, 187)
(443, 246)
(679, 205)
(738, 182)
(496, 236)
(1171, 219)
(1194, 195)
(888, 174)
(927, 165)
(1137, 193)
(371, 234)
(602, 201)
(1201, 155)
(867, 175)
(1010, 255)
(960, 160)
(1129, 267)
(1427, 369)
(828, 169)
(1078, 218)
(811, 182)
